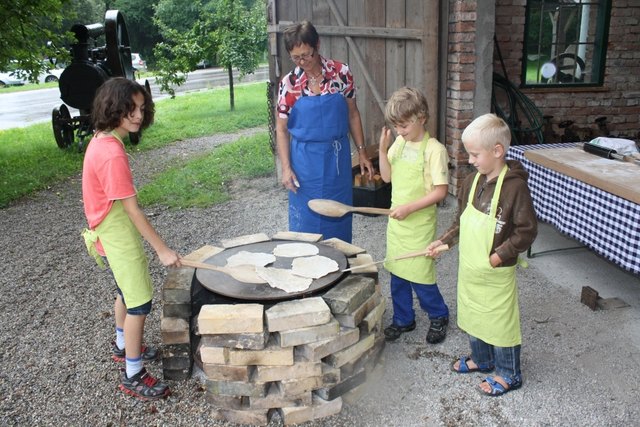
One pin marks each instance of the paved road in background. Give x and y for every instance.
(19, 109)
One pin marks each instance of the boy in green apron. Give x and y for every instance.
(417, 166)
(495, 222)
(116, 224)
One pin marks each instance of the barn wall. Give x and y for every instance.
(618, 99)
(386, 43)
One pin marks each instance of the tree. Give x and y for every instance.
(31, 30)
(240, 36)
(232, 31)
(143, 33)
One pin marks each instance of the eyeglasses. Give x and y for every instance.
(304, 57)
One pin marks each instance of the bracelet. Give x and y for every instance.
(360, 147)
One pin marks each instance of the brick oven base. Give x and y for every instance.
(297, 357)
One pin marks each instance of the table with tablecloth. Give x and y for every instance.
(604, 222)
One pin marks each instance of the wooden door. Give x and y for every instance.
(386, 43)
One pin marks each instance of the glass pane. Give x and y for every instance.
(561, 42)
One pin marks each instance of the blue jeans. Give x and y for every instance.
(429, 298)
(505, 359)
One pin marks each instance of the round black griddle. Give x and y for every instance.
(223, 284)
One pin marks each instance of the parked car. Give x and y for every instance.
(49, 76)
(10, 79)
(137, 62)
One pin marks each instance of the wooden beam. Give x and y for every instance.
(369, 32)
(358, 56)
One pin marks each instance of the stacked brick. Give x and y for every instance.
(298, 358)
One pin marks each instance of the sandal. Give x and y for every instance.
(463, 367)
(498, 389)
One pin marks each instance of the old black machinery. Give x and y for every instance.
(90, 67)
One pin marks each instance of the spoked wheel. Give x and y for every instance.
(62, 126)
(118, 47)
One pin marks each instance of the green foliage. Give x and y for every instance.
(204, 181)
(225, 29)
(143, 34)
(27, 28)
(240, 34)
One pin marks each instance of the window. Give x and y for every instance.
(565, 42)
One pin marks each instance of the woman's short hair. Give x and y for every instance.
(487, 131)
(114, 101)
(301, 33)
(406, 104)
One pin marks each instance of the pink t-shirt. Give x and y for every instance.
(106, 176)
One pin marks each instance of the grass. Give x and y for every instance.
(30, 160)
(28, 86)
(203, 181)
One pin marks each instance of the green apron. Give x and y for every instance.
(122, 244)
(418, 229)
(487, 296)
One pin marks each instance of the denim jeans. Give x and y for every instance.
(505, 359)
(429, 298)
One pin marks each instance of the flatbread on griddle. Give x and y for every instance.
(257, 259)
(293, 250)
(314, 267)
(284, 279)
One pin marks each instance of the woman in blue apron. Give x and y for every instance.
(316, 111)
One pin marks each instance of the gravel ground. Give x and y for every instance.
(56, 314)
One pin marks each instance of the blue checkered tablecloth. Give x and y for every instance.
(605, 223)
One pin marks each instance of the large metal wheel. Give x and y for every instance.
(118, 46)
(62, 126)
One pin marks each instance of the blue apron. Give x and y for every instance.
(321, 160)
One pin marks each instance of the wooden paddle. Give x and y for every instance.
(242, 273)
(336, 209)
(422, 252)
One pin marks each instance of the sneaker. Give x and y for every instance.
(437, 330)
(144, 386)
(148, 353)
(393, 332)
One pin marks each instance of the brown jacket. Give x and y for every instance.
(517, 225)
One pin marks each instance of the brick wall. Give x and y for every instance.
(618, 99)
(460, 84)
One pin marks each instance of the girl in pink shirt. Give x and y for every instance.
(117, 226)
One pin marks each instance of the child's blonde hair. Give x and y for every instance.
(488, 130)
(406, 104)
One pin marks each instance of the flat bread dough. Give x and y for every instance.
(294, 250)
(284, 279)
(257, 259)
(314, 267)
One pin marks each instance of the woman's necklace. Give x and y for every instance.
(315, 80)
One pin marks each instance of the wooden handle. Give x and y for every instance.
(374, 211)
(198, 264)
(423, 252)
(369, 264)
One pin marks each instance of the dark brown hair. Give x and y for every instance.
(114, 101)
(301, 33)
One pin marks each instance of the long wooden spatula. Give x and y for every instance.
(422, 252)
(332, 208)
(242, 273)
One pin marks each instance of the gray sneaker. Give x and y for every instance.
(148, 353)
(144, 386)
